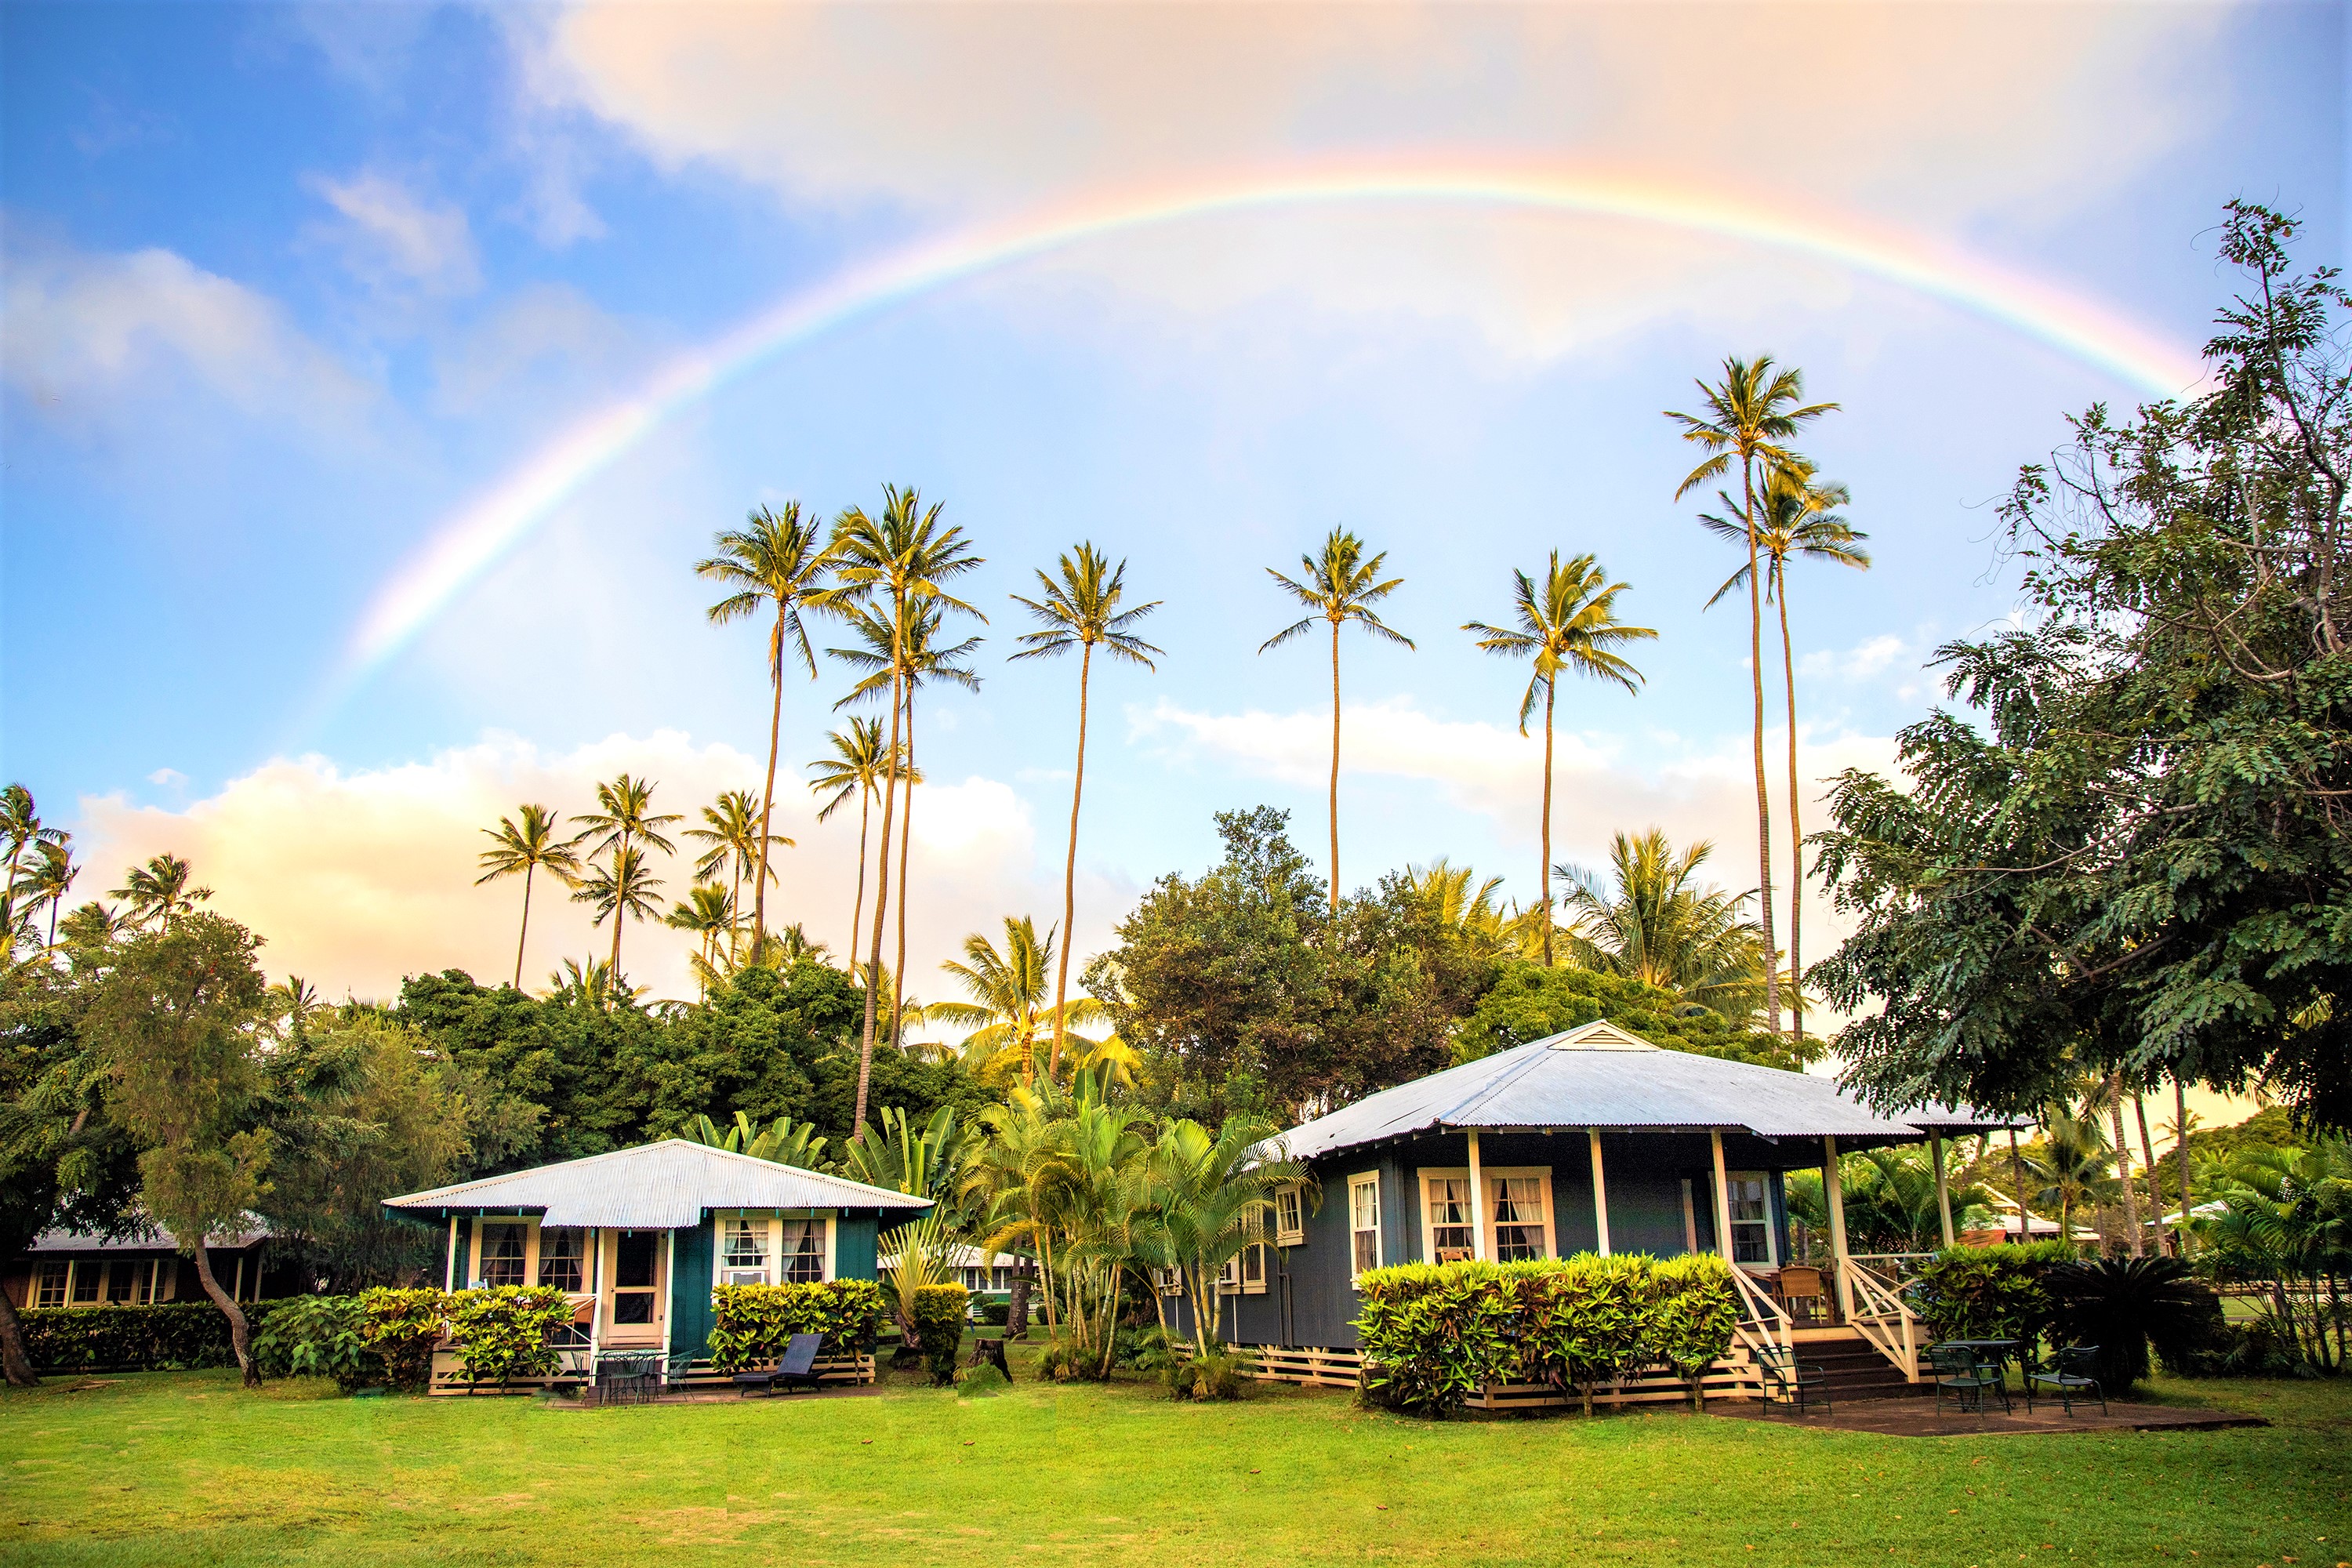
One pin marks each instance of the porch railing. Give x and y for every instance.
(1765, 1324)
(1882, 1317)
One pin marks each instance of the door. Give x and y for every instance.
(634, 1307)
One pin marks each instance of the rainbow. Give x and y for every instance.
(475, 537)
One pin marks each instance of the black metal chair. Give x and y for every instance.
(2073, 1373)
(796, 1368)
(627, 1379)
(1957, 1374)
(1790, 1380)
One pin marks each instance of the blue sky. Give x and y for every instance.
(287, 288)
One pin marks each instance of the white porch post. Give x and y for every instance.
(1722, 1198)
(1599, 1194)
(1477, 1200)
(1835, 1191)
(1943, 1188)
(449, 1273)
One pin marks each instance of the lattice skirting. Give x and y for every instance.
(1735, 1376)
(449, 1377)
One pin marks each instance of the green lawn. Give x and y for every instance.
(185, 1469)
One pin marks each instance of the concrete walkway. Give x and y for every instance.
(1912, 1417)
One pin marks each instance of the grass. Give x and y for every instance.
(186, 1468)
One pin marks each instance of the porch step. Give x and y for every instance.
(1850, 1364)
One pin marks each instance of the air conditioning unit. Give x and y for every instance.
(743, 1276)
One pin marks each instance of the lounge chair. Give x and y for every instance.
(794, 1369)
(2075, 1374)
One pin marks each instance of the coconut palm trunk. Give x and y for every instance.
(1335, 770)
(2155, 1173)
(906, 842)
(1763, 792)
(525, 935)
(2180, 1151)
(768, 795)
(881, 883)
(1070, 868)
(858, 909)
(1549, 689)
(2123, 1165)
(1796, 831)
(620, 910)
(2016, 1174)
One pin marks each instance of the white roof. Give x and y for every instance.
(667, 1185)
(147, 1237)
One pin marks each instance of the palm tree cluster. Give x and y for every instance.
(41, 871)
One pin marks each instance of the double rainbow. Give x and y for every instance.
(475, 537)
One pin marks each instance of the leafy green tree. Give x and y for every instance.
(172, 1019)
(1566, 625)
(1657, 925)
(1890, 1199)
(160, 891)
(1081, 608)
(1750, 416)
(1528, 1002)
(523, 847)
(774, 561)
(1341, 586)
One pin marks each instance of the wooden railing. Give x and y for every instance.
(1765, 1324)
(1891, 1328)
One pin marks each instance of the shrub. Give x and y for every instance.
(169, 1336)
(1592, 1333)
(996, 1314)
(753, 1324)
(1220, 1374)
(1433, 1334)
(500, 1332)
(403, 1326)
(1989, 1292)
(939, 1314)
(1690, 1324)
(319, 1336)
(982, 1382)
(2120, 1304)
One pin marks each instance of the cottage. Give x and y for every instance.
(1592, 1140)
(640, 1237)
(141, 1268)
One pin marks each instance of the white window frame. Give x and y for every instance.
(1234, 1276)
(1422, 1178)
(530, 1223)
(1363, 1181)
(1483, 1206)
(766, 1227)
(1168, 1281)
(1290, 1214)
(45, 1269)
(1772, 1259)
(587, 1255)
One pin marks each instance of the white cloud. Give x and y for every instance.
(360, 877)
(391, 237)
(107, 343)
(170, 778)
(543, 347)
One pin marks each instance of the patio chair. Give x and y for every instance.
(1800, 1288)
(1957, 1374)
(2073, 1373)
(796, 1368)
(1790, 1380)
(626, 1379)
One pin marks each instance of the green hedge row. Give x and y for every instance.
(1989, 1292)
(169, 1336)
(1435, 1334)
(753, 1324)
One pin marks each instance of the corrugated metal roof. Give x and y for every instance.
(147, 1237)
(657, 1186)
(1602, 1076)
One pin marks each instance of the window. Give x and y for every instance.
(130, 1282)
(636, 1265)
(743, 1252)
(50, 1282)
(1168, 1281)
(1244, 1274)
(86, 1281)
(1520, 1232)
(561, 1253)
(504, 1253)
(1290, 1215)
(803, 1250)
(1751, 1217)
(1447, 1215)
(1364, 1221)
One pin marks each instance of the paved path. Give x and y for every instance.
(1916, 1417)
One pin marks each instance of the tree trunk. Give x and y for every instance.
(1016, 1306)
(2155, 1173)
(2017, 1175)
(15, 1361)
(768, 798)
(858, 909)
(1763, 793)
(906, 842)
(528, 872)
(1551, 689)
(2123, 1166)
(240, 1333)
(1070, 870)
(2180, 1147)
(1335, 770)
(1796, 828)
(881, 895)
(620, 916)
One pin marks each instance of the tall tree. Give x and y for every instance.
(1660, 925)
(1568, 623)
(524, 847)
(624, 815)
(1751, 415)
(1799, 521)
(21, 829)
(1081, 608)
(858, 767)
(709, 912)
(174, 1019)
(895, 564)
(1007, 1016)
(774, 561)
(52, 878)
(158, 890)
(1341, 586)
(731, 843)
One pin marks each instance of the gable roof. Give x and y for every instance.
(1600, 1074)
(656, 1186)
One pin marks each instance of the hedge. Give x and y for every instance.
(1435, 1334)
(500, 1332)
(1989, 1292)
(170, 1336)
(753, 1324)
(319, 1336)
(939, 1315)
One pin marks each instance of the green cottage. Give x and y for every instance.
(639, 1238)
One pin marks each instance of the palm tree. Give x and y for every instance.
(593, 985)
(1569, 623)
(2073, 1167)
(772, 560)
(1444, 892)
(624, 815)
(621, 887)
(53, 879)
(296, 999)
(20, 826)
(1659, 926)
(158, 890)
(730, 837)
(858, 767)
(525, 847)
(1341, 586)
(1799, 520)
(1008, 1015)
(709, 911)
(1750, 415)
(1214, 1193)
(1081, 610)
(894, 565)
